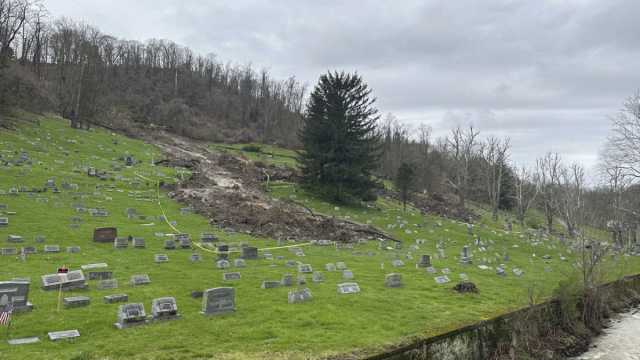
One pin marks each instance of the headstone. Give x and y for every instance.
(393, 280)
(348, 288)
(138, 243)
(291, 263)
(425, 261)
(4, 221)
(8, 251)
(500, 271)
(73, 249)
(301, 279)
(140, 279)
(287, 280)
(218, 301)
(195, 257)
(518, 272)
(208, 238)
(305, 268)
(299, 296)
(223, 264)
(131, 314)
(107, 284)
(465, 257)
(169, 244)
(317, 277)
(15, 292)
(63, 335)
(65, 281)
(397, 263)
(341, 266)
(347, 274)
(231, 276)
(28, 250)
(121, 243)
(52, 248)
(160, 258)
(240, 263)
(164, 308)
(24, 341)
(94, 266)
(115, 298)
(270, 284)
(442, 279)
(223, 251)
(250, 253)
(76, 301)
(185, 243)
(15, 239)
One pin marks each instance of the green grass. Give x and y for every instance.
(264, 325)
(268, 154)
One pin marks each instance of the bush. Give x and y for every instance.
(252, 148)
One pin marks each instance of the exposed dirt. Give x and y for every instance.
(229, 190)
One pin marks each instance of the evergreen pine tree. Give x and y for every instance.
(340, 142)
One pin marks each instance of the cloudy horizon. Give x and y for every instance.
(548, 74)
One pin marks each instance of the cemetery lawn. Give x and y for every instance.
(264, 324)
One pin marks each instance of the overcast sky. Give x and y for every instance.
(546, 73)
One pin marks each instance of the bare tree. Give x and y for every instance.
(571, 196)
(495, 153)
(548, 178)
(526, 191)
(623, 145)
(463, 149)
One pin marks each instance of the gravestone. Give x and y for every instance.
(40, 239)
(52, 249)
(250, 253)
(223, 264)
(15, 239)
(500, 271)
(63, 335)
(287, 280)
(107, 284)
(330, 267)
(223, 251)
(347, 274)
(28, 250)
(76, 301)
(305, 268)
(270, 284)
(4, 221)
(138, 243)
(73, 249)
(169, 244)
(442, 279)
(24, 341)
(301, 279)
(393, 280)
(65, 281)
(240, 263)
(397, 263)
(116, 298)
(8, 251)
(105, 234)
(341, 266)
(291, 263)
(518, 272)
(317, 277)
(140, 279)
(195, 257)
(94, 266)
(185, 243)
(121, 243)
(465, 256)
(348, 288)
(160, 258)
(164, 308)
(100, 275)
(131, 314)
(218, 301)
(425, 261)
(208, 238)
(231, 276)
(15, 292)
(299, 296)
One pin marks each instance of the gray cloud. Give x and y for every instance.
(548, 72)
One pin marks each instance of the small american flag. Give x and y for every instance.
(5, 314)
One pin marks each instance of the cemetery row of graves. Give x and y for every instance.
(99, 262)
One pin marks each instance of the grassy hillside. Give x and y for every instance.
(264, 325)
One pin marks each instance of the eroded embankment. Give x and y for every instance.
(551, 330)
